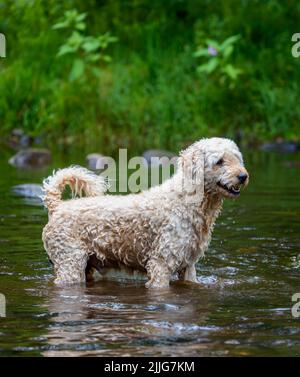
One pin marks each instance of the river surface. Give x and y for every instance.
(242, 306)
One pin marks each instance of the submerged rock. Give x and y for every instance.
(281, 146)
(31, 193)
(19, 139)
(31, 158)
(96, 161)
(165, 157)
(28, 190)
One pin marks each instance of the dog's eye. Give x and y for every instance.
(220, 162)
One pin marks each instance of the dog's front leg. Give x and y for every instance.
(158, 273)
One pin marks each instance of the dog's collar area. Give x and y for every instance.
(234, 190)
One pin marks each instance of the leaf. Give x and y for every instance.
(228, 51)
(209, 67)
(229, 41)
(201, 52)
(106, 58)
(66, 49)
(212, 43)
(81, 17)
(60, 25)
(75, 39)
(77, 70)
(93, 57)
(71, 14)
(80, 26)
(231, 71)
(91, 44)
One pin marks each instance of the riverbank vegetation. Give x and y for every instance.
(149, 73)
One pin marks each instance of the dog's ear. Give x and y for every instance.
(191, 166)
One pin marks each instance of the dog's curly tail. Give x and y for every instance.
(80, 180)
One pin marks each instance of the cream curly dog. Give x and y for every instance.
(162, 231)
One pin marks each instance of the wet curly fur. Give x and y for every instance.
(162, 231)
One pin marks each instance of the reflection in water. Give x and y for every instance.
(242, 305)
(109, 318)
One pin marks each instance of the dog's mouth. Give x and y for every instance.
(232, 190)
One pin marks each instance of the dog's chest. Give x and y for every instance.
(202, 220)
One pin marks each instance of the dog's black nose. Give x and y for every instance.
(242, 177)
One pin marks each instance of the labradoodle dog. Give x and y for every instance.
(162, 231)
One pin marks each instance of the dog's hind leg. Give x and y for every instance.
(189, 274)
(69, 263)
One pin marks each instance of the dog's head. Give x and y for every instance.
(217, 164)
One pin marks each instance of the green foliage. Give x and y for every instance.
(73, 20)
(86, 50)
(218, 57)
(161, 85)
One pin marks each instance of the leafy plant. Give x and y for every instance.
(88, 51)
(218, 59)
(148, 96)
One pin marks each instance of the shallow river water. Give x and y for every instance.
(241, 307)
